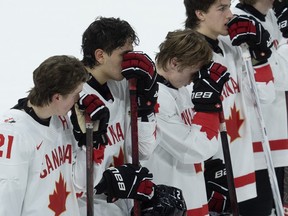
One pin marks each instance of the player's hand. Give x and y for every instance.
(207, 87)
(139, 65)
(281, 12)
(246, 29)
(216, 186)
(92, 105)
(126, 181)
(96, 109)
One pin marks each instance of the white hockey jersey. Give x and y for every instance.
(119, 148)
(237, 122)
(274, 113)
(36, 166)
(182, 147)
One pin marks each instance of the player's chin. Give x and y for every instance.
(118, 78)
(225, 31)
(187, 84)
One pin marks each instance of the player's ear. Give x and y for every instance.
(56, 97)
(174, 63)
(99, 55)
(200, 15)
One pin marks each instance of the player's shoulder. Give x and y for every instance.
(270, 16)
(15, 118)
(17, 126)
(118, 87)
(238, 11)
(227, 47)
(61, 123)
(167, 97)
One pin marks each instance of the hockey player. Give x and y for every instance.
(210, 18)
(107, 44)
(40, 162)
(276, 126)
(187, 131)
(37, 144)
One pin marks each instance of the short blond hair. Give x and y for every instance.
(188, 46)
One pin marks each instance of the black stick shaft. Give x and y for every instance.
(228, 165)
(89, 165)
(134, 133)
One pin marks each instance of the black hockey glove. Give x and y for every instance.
(281, 12)
(246, 29)
(167, 201)
(216, 186)
(139, 65)
(126, 181)
(207, 87)
(96, 109)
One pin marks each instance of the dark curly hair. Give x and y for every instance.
(107, 34)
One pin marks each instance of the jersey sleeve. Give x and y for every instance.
(186, 142)
(14, 165)
(146, 138)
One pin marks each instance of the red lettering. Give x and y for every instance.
(2, 140)
(55, 158)
(230, 87)
(187, 116)
(9, 145)
(119, 131)
(115, 134)
(235, 86)
(48, 164)
(43, 174)
(58, 156)
(60, 153)
(68, 154)
(64, 122)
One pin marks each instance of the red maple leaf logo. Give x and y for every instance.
(118, 161)
(59, 196)
(233, 124)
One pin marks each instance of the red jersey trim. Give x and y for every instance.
(263, 73)
(198, 167)
(199, 211)
(244, 180)
(275, 145)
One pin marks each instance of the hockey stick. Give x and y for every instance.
(228, 166)
(285, 180)
(134, 132)
(265, 141)
(89, 162)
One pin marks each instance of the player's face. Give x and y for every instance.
(112, 67)
(66, 102)
(184, 77)
(213, 23)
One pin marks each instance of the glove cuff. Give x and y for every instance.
(146, 115)
(217, 107)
